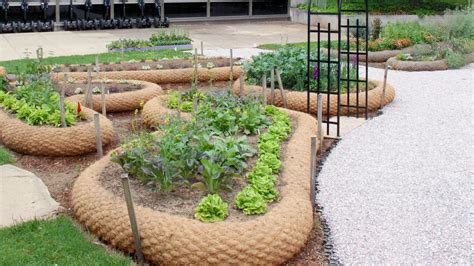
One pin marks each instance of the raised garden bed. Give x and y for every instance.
(51, 141)
(177, 71)
(120, 96)
(169, 232)
(158, 47)
(415, 64)
(298, 100)
(138, 65)
(30, 120)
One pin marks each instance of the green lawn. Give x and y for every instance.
(5, 156)
(53, 242)
(13, 66)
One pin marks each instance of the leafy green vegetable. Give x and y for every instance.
(259, 171)
(250, 201)
(37, 103)
(265, 186)
(211, 209)
(269, 160)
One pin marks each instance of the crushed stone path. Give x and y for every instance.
(398, 189)
(23, 197)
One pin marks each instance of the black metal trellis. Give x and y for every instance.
(335, 62)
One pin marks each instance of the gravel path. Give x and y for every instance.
(399, 188)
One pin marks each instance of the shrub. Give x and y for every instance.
(403, 30)
(292, 63)
(376, 29)
(211, 209)
(455, 60)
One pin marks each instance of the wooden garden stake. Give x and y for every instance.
(133, 219)
(242, 80)
(264, 90)
(320, 123)
(39, 53)
(382, 97)
(179, 105)
(202, 48)
(122, 49)
(61, 109)
(272, 84)
(195, 66)
(89, 87)
(97, 69)
(280, 85)
(312, 171)
(195, 104)
(98, 139)
(102, 99)
(231, 62)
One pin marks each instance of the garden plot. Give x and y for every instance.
(201, 167)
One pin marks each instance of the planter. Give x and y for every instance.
(183, 75)
(159, 47)
(50, 141)
(269, 239)
(297, 100)
(123, 101)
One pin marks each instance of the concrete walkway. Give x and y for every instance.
(23, 196)
(398, 189)
(215, 35)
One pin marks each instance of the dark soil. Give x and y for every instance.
(152, 64)
(181, 200)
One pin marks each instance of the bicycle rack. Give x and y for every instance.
(72, 23)
(45, 24)
(124, 22)
(157, 22)
(6, 27)
(25, 25)
(106, 22)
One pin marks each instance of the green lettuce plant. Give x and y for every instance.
(211, 209)
(250, 201)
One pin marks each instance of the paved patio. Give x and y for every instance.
(215, 35)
